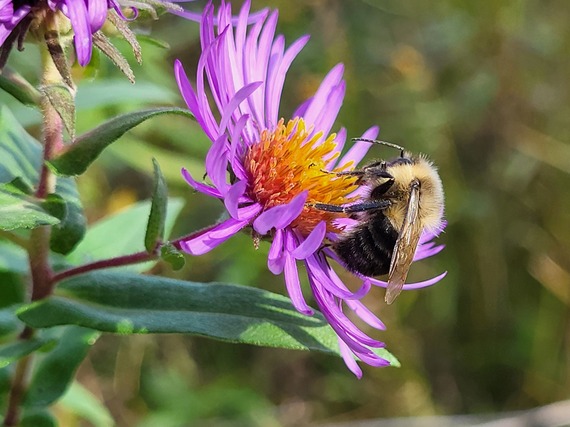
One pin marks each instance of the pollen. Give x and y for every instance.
(289, 160)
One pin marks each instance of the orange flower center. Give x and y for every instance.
(286, 162)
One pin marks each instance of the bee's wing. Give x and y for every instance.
(405, 247)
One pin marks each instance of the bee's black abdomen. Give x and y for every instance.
(368, 248)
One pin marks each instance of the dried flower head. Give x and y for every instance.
(51, 19)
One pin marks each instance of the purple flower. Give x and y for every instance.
(267, 171)
(86, 18)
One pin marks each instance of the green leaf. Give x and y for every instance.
(20, 154)
(55, 206)
(155, 227)
(19, 88)
(130, 303)
(71, 229)
(81, 402)
(9, 323)
(172, 256)
(121, 234)
(12, 352)
(87, 147)
(55, 372)
(12, 287)
(13, 258)
(6, 375)
(38, 418)
(18, 186)
(16, 212)
(62, 100)
(21, 159)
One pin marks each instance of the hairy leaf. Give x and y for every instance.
(62, 99)
(12, 352)
(17, 212)
(155, 227)
(71, 229)
(128, 303)
(172, 256)
(56, 370)
(19, 88)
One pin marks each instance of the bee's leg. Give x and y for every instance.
(345, 173)
(358, 207)
(367, 206)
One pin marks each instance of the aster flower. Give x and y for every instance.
(268, 170)
(85, 16)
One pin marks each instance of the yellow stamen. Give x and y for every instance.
(286, 162)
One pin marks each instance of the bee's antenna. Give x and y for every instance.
(375, 141)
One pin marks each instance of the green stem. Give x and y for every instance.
(39, 244)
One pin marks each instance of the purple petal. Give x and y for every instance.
(229, 230)
(236, 148)
(248, 212)
(258, 59)
(216, 164)
(234, 103)
(97, 11)
(411, 286)
(233, 195)
(292, 278)
(365, 314)
(77, 14)
(10, 20)
(203, 116)
(312, 242)
(276, 79)
(319, 100)
(6, 10)
(202, 188)
(327, 115)
(343, 326)
(423, 253)
(319, 269)
(280, 216)
(275, 258)
(214, 236)
(348, 358)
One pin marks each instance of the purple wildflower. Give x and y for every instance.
(86, 18)
(267, 171)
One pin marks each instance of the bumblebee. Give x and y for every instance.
(402, 198)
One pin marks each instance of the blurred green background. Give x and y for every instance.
(483, 88)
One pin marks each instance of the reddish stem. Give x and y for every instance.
(121, 260)
(104, 263)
